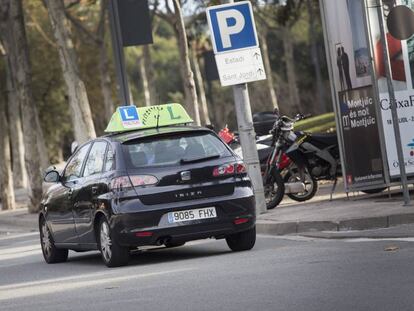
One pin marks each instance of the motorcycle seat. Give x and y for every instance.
(327, 139)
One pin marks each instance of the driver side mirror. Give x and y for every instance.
(52, 177)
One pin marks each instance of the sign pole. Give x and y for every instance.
(118, 49)
(248, 141)
(394, 112)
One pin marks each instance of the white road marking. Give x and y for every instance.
(22, 290)
(379, 239)
(18, 235)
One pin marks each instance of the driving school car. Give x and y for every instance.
(151, 181)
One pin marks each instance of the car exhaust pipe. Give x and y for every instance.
(294, 187)
(162, 241)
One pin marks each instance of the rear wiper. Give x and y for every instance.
(200, 159)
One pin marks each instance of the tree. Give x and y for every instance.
(15, 124)
(176, 20)
(200, 82)
(315, 58)
(6, 177)
(97, 38)
(78, 99)
(12, 22)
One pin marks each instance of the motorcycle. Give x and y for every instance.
(279, 180)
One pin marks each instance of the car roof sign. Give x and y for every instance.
(128, 118)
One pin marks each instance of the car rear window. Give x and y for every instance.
(173, 149)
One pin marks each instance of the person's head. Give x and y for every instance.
(342, 49)
(338, 51)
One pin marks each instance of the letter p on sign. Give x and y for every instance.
(232, 26)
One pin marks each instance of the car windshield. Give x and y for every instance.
(174, 149)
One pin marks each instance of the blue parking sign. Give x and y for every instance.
(232, 26)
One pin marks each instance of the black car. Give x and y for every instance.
(158, 186)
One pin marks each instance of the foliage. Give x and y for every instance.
(51, 96)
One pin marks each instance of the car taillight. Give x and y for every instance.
(143, 180)
(123, 182)
(229, 169)
(240, 168)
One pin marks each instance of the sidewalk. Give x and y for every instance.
(358, 212)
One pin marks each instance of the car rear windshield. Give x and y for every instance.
(174, 149)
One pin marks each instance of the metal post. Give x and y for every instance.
(394, 113)
(118, 49)
(248, 141)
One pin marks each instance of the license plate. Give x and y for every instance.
(193, 214)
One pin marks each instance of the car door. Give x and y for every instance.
(85, 194)
(59, 211)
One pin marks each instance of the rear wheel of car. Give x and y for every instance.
(173, 244)
(51, 253)
(274, 189)
(242, 241)
(373, 191)
(113, 254)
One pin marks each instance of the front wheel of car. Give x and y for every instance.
(51, 253)
(113, 254)
(242, 241)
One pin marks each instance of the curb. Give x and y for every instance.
(280, 228)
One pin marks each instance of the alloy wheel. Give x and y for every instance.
(46, 242)
(106, 241)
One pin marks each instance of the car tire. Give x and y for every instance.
(274, 196)
(242, 241)
(113, 254)
(51, 253)
(173, 244)
(373, 191)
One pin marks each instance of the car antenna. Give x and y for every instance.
(158, 117)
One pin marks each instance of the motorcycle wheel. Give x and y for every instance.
(274, 189)
(311, 186)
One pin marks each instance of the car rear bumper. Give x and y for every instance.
(151, 226)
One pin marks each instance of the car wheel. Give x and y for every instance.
(242, 241)
(113, 254)
(173, 244)
(51, 253)
(373, 191)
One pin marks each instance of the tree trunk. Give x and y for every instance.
(268, 70)
(315, 61)
(104, 73)
(6, 177)
(200, 85)
(15, 125)
(290, 69)
(150, 72)
(144, 79)
(190, 92)
(15, 41)
(78, 99)
(41, 143)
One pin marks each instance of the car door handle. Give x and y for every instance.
(94, 189)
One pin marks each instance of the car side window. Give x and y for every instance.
(110, 159)
(95, 161)
(74, 167)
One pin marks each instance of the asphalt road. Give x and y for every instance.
(278, 274)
